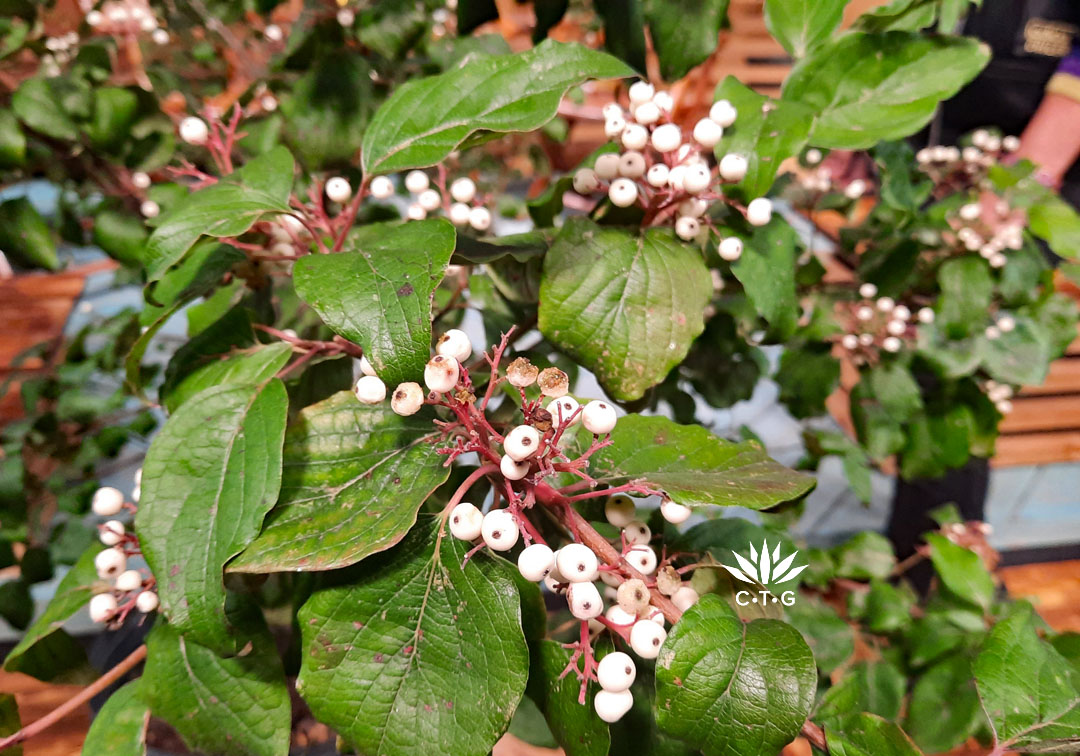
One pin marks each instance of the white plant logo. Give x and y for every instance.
(765, 569)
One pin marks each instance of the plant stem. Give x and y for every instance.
(815, 735)
(77, 700)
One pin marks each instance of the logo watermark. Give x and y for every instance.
(764, 570)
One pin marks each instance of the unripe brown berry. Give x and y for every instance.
(553, 382)
(522, 373)
(633, 596)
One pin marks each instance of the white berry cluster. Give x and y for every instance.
(1002, 324)
(60, 51)
(126, 17)
(665, 173)
(1000, 394)
(990, 241)
(878, 323)
(129, 588)
(464, 207)
(985, 149)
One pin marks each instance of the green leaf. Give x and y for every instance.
(12, 140)
(1028, 690)
(354, 478)
(329, 107)
(25, 237)
(876, 687)
(227, 208)
(236, 706)
(378, 293)
(38, 105)
(416, 651)
(961, 570)
(1057, 223)
(9, 721)
(885, 608)
(868, 735)
(210, 476)
(695, 467)
(683, 32)
(895, 390)
(766, 133)
(866, 556)
(255, 365)
(624, 30)
(73, 592)
(627, 307)
(806, 379)
(119, 728)
(870, 87)
(802, 25)
(16, 605)
(766, 270)
(427, 119)
(121, 235)
(576, 728)
(1020, 356)
(966, 288)
(944, 709)
(830, 638)
(114, 113)
(732, 688)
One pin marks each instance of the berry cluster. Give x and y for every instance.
(668, 176)
(61, 50)
(460, 202)
(945, 163)
(1000, 394)
(874, 323)
(990, 240)
(126, 17)
(130, 589)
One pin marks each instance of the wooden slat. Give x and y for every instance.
(1037, 448)
(1043, 413)
(1063, 378)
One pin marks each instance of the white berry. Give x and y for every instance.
(687, 228)
(675, 177)
(160, 36)
(577, 563)
(522, 442)
(607, 166)
(642, 558)
(194, 130)
(664, 101)
(850, 341)
(926, 315)
(416, 181)
(611, 110)
(731, 248)
(107, 501)
(684, 598)
(415, 212)
(733, 167)
(632, 164)
(429, 199)
(102, 607)
(382, 187)
(150, 209)
(616, 672)
(110, 563)
(646, 638)
(585, 181)
(901, 312)
(657, 175)
(584, 600)
(112, 533)
(641, 91)
(635, 137)
(463, 189)
(723, 113)
(511, 469)
(868, 291)
(674, 512)
(667, 137)
(647, 113)
(896, 327)
(708, 133)
(637, 532)
(459, 214)
(623, 192)
(694, 207)
(370, 389)
(697, 178)
(865, 312)
(619, 616)
(407, 399)
(598, 417)
(886, 304)
(891, 344)
(1006, 323)
(140, 180)
(454, 343)
(759, 211)
(620, 510)
(94, 18)
(535, 562)
(970, 211)
(611, 706)
(338, 189)
(1004, 406)
(146, 602)
(129, 580)
(365, 366)
(563, 411)
(480, 218)
(441, 373)
(466, 521)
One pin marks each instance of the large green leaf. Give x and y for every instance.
(684, 32)
(38, 105)
(961, 570)
(227, 208)
(966, 288)
(627, 306)
(766, 270)
(1029, 691)
(766, 133)
(576, 728)
(9, 721)
(876, 687)
(417, 652)
(427, 119)
(1019, 356)
(254, 365)
(732, 688)
(25, 237)
(378, 292)
(695, 467)
(119, 728)
(869, 87)
(236, 706)
(12, 140)
(354, 478)
(806, 379)
(801, 25)
(863, 734)
(114, 112)
(209, 478)
(944, 709)
(72, 594)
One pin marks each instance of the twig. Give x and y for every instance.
(815, 735)
(77, 700)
